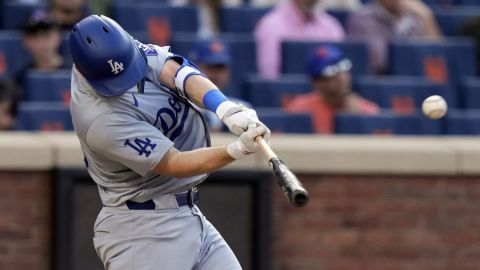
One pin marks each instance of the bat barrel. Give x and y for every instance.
(291, 186)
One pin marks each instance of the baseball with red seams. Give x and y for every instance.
(434, 107)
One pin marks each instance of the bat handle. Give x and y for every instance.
(267, 151)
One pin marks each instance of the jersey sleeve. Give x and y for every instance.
(135, 144)
(156, 57)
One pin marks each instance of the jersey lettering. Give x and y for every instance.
(141, 146)
(116, 67)
(168, 119)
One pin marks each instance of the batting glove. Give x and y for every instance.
(238, 117)
(246, 145)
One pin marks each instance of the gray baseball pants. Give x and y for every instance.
(167, 238)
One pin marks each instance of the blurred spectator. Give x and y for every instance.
(68, 12)
(42, 38)
(291, 20)
(471, 28)
(329, 72)
(8, 105)
(384, 20)
(213, 58)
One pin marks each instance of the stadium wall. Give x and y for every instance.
(376, 202)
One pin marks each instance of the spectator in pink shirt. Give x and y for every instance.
(291, 20)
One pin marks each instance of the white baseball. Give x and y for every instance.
(434, 107)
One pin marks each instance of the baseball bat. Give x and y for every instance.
(291, 186)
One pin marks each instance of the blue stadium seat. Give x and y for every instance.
(470, 93)
(285, 122)
(294, 54)
(271, 93)
(14, 14)
(240, 19)
(12, 54)
(402, 93)
(134, 15)
(446, 61)
(386, 123)
(242, 48)
(43, 116)
(466, 122)
(450, 20)
(47, 86)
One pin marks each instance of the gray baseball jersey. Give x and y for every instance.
(124, 137)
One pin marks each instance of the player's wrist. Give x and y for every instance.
(213, 98)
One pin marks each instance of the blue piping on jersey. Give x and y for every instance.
(135, 101)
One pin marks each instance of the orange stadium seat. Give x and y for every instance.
(43, 116)
(48, 86)
(403, 94)
(446, 61)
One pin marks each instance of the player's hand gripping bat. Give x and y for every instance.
(291, 186)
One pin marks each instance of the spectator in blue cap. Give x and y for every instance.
(329, 71)
(212, 56)
(42, 39)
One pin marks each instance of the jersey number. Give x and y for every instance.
(141, 146)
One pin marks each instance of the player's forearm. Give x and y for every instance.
(195, 162)
(197, 87)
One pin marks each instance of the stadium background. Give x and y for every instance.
(378, 202)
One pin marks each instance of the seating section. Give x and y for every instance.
(48, 86)
(448, 61)
(12, 54)
(273, 93)
(285, 122)
(240, 19)
(451, 20)
(466, 122)
(470, 93)
(138, 16)
(14, 13)
(43, 116)
(294, 55)
(242, 49)
(417, 69)
(386, 124)
(403, 94)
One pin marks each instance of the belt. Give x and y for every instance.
(190, 198)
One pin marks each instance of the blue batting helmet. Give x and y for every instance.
(106, 55)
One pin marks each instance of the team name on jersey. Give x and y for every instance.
(171, 120)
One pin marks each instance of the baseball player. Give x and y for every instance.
(135, 111)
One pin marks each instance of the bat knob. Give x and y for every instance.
(300, 199)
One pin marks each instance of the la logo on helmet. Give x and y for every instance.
(116, 67)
